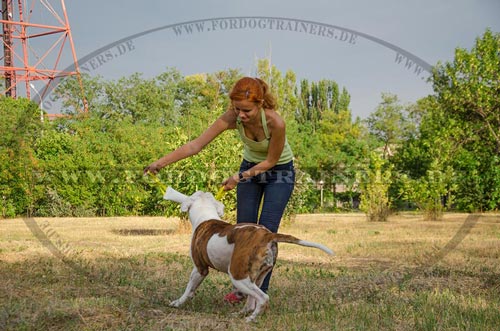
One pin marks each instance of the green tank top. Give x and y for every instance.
(256, 151)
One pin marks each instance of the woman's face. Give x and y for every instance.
(246, 110)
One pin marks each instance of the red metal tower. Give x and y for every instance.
(36, 38)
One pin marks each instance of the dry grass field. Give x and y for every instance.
(121, 273)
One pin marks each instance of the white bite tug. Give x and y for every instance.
(246, 251)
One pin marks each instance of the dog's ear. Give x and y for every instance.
(189, 201)
(186, 204)
(219, 206)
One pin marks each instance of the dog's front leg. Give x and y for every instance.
(194, 281)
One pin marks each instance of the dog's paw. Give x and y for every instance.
(176, 303)
(247, 310)
(241, 313)
(237, 314)
(250, 305)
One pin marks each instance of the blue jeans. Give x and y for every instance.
(271, 189)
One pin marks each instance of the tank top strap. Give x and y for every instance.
(264, 124)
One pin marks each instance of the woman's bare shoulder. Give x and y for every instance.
(274, 119)
(229, 117)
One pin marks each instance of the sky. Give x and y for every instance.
(369, 47)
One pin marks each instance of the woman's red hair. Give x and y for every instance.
(254, 90)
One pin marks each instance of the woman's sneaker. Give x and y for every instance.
(234, 297)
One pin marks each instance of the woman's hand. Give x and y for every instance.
(153, 168)
(230, 183)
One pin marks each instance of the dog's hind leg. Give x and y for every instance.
(194, 281)
(251, 302)
(261, 299)
(250, 305)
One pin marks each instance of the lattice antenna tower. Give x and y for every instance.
(36, 38)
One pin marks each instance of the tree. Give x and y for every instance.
(68, 91)
(388, 123)
(431, 193)
(19, 169)
(375, 201)
(469, 87)
(467, 91)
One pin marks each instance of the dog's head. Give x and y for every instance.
(202, 206)
(203, 201)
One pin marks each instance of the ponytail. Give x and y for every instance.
(268, 97)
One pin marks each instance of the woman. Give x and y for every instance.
(266, 176)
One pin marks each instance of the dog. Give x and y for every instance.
(245, 251)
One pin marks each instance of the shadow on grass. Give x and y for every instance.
(143, 232)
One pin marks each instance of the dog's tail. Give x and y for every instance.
(285, 238)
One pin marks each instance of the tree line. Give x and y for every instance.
(440, 153)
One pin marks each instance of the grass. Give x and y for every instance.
(121, 274)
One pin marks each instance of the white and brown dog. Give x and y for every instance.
(245, 251)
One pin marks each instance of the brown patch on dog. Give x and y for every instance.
(252, 247)
(255, 248)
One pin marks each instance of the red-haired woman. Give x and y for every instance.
(266, 176)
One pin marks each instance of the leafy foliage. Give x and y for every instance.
(20, 127)
(91, 164)
(441, 152)
(375, 200)
(456, 151)
(429, 191)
